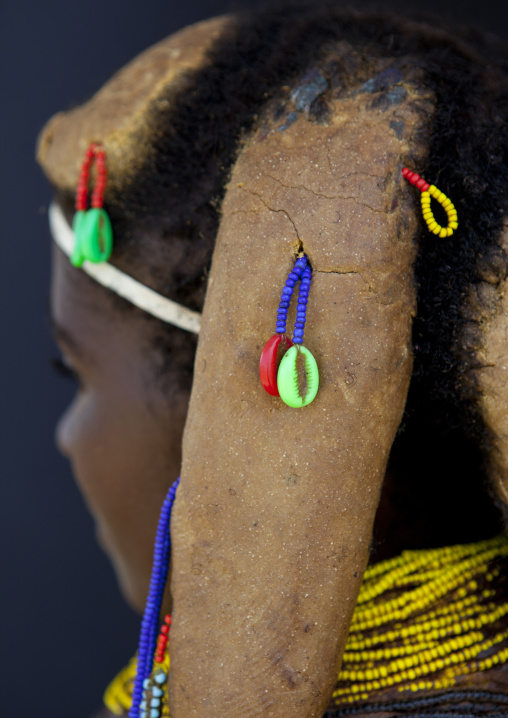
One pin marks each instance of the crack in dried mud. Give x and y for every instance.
(345, 271)
(300, 248)
(325, 196)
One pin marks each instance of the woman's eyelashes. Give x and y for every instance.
(64, 368)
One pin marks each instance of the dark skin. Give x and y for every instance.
(122, 432)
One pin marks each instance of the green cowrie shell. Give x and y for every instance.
(287, 377)
(97, 243)
(77, 257)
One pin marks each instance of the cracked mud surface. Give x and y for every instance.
(265, 569)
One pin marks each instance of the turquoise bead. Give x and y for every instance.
(160, 677)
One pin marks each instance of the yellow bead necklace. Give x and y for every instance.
(422, 620)
(425, 618)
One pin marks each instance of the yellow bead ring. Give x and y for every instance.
(429, 191)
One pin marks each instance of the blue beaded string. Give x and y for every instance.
(301, 271)
(151, 616)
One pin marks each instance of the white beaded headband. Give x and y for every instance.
(121, 283)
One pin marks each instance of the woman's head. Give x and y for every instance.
(288, 133)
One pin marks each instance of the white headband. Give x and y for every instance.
(121, 283)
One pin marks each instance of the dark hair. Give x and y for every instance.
(197, 136)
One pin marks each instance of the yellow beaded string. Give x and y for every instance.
(448, 207)
(422, 620)
(425, 618)
(429, 192)
(118, 695)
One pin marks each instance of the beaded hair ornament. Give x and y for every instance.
(283, 381)
(89, 244)
(429, 191)
(281, 378)
(92, 227)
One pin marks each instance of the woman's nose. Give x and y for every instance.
(64, 432)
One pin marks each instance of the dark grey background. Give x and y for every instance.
(64, 628)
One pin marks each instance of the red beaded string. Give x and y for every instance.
(162, 641)
(98, 153)
(100, 180)
(82, 188)
(415, 179)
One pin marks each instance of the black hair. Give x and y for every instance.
(197, 136)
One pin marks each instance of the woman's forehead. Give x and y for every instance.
(85, 317)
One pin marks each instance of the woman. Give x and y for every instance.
(265, 138)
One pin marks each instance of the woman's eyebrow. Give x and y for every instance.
(61, 335)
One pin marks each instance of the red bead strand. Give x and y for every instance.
(415, 179)
(162, 641)
(84, 175)
(100, 179)
(97, 153)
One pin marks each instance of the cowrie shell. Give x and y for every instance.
(287, 377)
